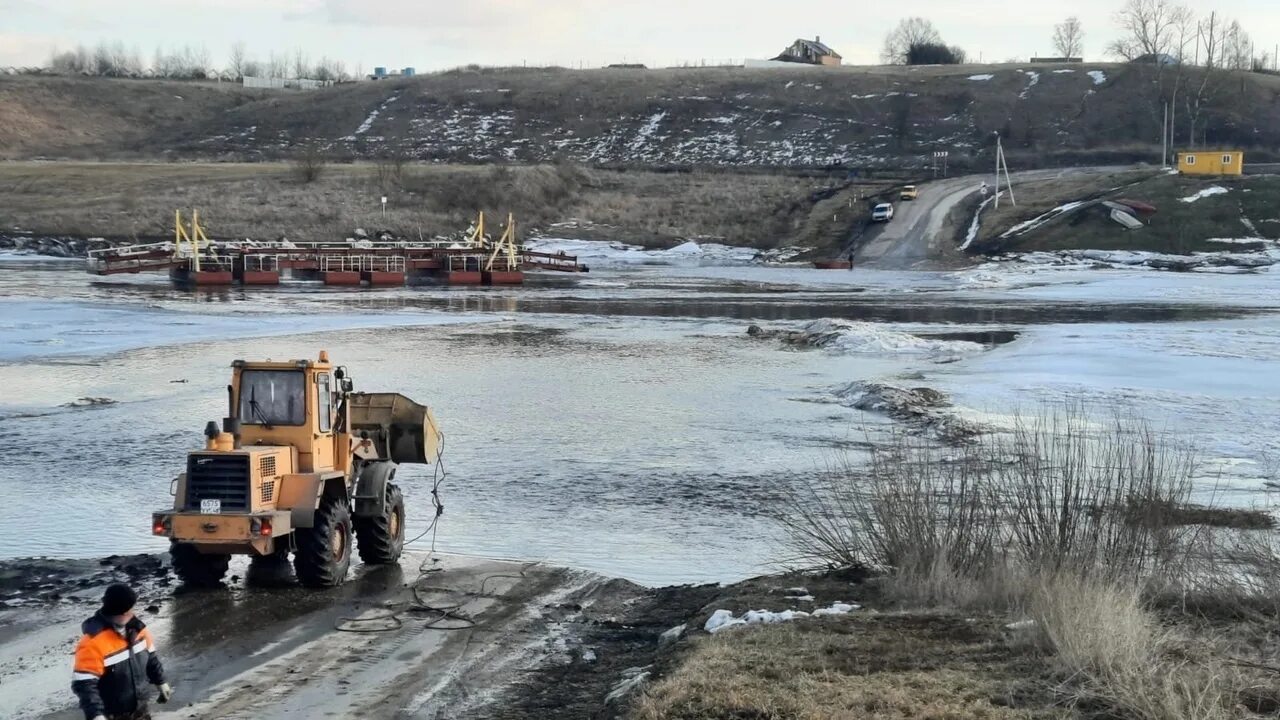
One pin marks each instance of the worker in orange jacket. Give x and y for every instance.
(115, 660)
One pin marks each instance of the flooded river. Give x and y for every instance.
(620, 421)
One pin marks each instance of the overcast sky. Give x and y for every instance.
(436, 34)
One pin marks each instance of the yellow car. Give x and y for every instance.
(909, 192)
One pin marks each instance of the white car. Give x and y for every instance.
(882, 213)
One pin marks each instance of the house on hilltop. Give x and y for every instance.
(810, 52)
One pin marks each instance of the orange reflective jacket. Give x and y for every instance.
(112, 669)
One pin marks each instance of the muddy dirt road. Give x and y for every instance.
(435, 637)
(915, 238)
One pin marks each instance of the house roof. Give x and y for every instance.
(817, 47)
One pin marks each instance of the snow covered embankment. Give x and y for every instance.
(1219, 262)
(615, 254)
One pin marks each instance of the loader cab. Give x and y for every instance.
(295, 404)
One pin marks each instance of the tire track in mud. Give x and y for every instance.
(413, 670)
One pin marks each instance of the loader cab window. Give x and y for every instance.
(272, 397)
(324, 402)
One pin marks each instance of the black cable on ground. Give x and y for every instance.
(392, 620)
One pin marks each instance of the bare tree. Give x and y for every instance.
(237, 60)
(1149, 27)
(301, 64)
(910, 32)
(1219, 42)
(1237, 48)
(277, 65)
(1068, 38)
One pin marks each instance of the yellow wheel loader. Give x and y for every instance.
(302, 464)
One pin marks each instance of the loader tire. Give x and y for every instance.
(381, 539)
(324, 552)
(195, 569)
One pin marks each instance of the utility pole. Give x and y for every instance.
(1001, 162)
(1164, 139)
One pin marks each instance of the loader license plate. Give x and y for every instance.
(211, 507)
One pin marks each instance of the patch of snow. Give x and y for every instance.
(368, 121)
(1020, 625)
(1063, 71)
(1207, 192)
(972, 234)
(648, 130)
(672, 635)
(1039, 220)
(628, 684)
(1098, 76)
(1239, 241)
(838, 608)
(980, 78)
(800, 598)
(1033, 79)
(724, 619)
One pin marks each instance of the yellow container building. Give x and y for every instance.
(1211, 162)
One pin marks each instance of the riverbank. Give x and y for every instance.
(75, 202)
(529, 642)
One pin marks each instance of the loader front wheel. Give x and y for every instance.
(196, 569)
(381, 538)
(324, 552)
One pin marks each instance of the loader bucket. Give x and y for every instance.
(401, 430)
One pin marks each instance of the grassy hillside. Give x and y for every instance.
(1249, 208)
(854, 117)
(268, 200)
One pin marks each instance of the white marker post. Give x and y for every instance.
(384, 208)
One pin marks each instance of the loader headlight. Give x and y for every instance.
(161, 525)
(260, 527)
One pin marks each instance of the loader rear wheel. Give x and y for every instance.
(324, 552)
(196, 569)
(381, 538)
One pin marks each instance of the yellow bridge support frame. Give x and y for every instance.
(506, 245)
(195, 239)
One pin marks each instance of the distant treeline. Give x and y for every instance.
(192, 63)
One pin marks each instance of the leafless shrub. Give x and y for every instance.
(389, 169)
(309, 164)
(1060, 492)
(1092, 494)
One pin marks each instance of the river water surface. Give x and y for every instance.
(620, 421)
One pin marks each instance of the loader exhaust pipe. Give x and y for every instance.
(231, 423)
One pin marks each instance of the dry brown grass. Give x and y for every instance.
(270, 200)
(1115, 652)
(266, 200)
(874, 667)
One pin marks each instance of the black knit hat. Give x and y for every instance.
(118, 600)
